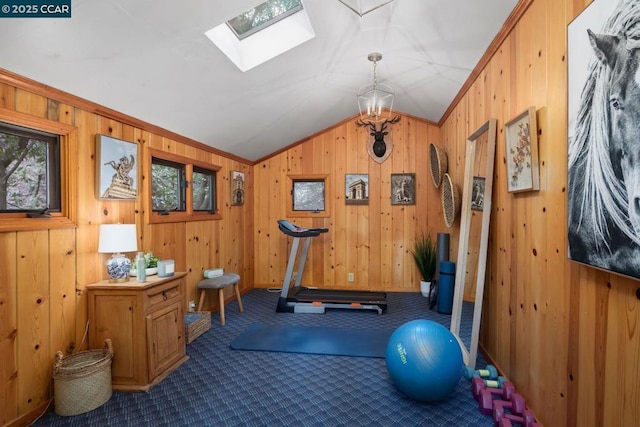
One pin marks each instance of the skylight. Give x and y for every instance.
(261, 16)
(262, 33)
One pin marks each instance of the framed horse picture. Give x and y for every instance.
(403, 188)
(477, 193)
(603, 130)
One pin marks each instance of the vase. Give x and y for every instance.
(424, 288)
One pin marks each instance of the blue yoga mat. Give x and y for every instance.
(313, 340)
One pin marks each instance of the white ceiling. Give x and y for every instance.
(151, 60)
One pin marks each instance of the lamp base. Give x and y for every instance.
(118, 267)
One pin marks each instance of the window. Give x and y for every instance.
(308, 196)
(38, 185)
(168, 186)
(181, 189)
(29, 170)
(261, 16)
(262, 33)
(204, 189)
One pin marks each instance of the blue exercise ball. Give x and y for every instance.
(424, 360)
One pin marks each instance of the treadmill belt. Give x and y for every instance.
(340, 296)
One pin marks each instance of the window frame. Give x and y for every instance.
(266, 24)
(189, 214)
(66, 217)
(326, 213)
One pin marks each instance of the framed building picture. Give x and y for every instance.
(522, 152)
(403, 188)
(356, 189)
(237, 188)
(603, 165)
(116, 169)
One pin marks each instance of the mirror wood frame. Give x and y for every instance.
(489, 128)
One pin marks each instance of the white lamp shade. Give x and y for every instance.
(116, 238)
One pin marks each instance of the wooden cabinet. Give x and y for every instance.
(145, 322)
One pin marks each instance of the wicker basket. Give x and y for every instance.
(196, 324)
(450, 200)
(439, 163)
(82, 381)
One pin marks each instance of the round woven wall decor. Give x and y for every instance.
(450, 200)
(439, 163)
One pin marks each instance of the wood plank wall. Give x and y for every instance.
(372, 241)
(43, 274)
(566, 334)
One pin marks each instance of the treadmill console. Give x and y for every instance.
(293, 230)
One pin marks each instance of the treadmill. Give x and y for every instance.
(300, 299)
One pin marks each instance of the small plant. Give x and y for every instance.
(150, 260)
(424, 254)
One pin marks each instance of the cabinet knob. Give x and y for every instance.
(164, 295)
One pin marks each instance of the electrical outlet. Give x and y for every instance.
(192, 306)
(351, 277)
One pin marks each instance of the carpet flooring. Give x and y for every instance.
(219, 386)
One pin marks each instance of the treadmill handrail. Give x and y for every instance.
(293, 230)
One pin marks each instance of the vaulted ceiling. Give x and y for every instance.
(150, 59)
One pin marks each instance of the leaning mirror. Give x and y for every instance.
(474, 237)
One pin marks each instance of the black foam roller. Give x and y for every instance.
(442, 250)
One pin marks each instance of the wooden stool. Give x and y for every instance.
(219, 283)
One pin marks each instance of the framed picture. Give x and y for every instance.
(237, 188)
(356, 189)
(116, 169)
(522, 152)
(477, 194)
(403, 188)
(603, 216)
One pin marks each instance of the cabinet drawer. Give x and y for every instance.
(160, 296)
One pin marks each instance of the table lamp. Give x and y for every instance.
(115, 239)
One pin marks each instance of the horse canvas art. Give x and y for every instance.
(604, 137)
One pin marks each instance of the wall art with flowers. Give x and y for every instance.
(522, 152)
